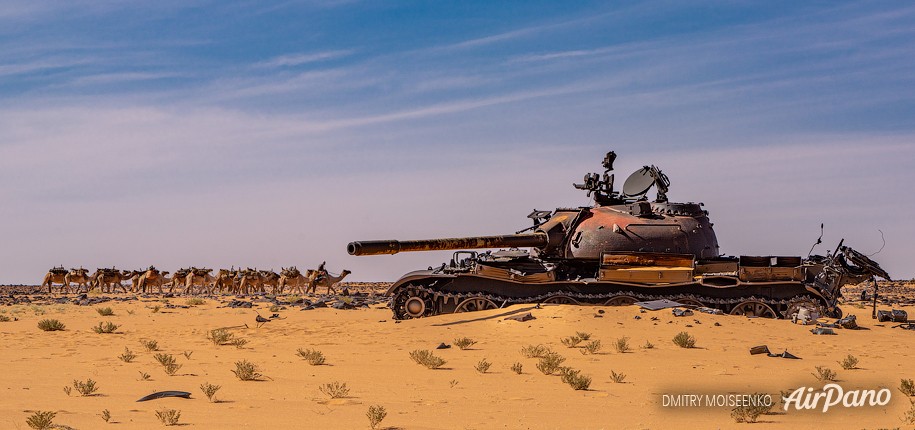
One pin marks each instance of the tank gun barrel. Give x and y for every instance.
(377, 247)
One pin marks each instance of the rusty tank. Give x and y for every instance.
(623, 249)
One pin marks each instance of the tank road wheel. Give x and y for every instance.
(475, 304)
(689, 302)
(561, 300)
(754, 308)
(410, 303)
(621, 301)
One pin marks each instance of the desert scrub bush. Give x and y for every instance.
(86, 388)
(583, 335)
(51, 325)
(144, 376)
(576, 380)
(106, 415)
(168, 417)
(591, 347)
(105, 312)
(483, 366)
(622, 345)
(426, 358)
(648, 345)
(334, 390)
(909, 417)
(684, 340)
(375, 415)
(517, 368)
(219, 336)
(168, 362)
(275, 308)
(535, 351)
(849, 362)
(187, 354)
(4, 318)
(41, 420)
(127, 356)
(239, 342)
(150, 345)
(464, 342)
(209, 390)
(617, 377)
(104, 328)
(571, 341)
(67, 389)
(824, 373)
(246, 371)
(312, 356)
(749, 413)
(550, 363)
(907, 387)
(195, 301)
(155, 309)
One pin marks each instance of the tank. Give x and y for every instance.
(622, 249)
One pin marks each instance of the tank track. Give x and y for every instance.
(780, 306)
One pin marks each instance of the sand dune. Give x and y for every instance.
(370, 353)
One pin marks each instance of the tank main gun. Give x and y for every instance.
(380, 247)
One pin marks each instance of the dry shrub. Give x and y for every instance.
(105, 312)
(219, 336)
(684, 340)
(622, 345)
(825, 374)
(749, 413)
(150, 345)
(312, 356)
(576, 380)
(239, 342)
(517, 368)
(464, 342)
(426, 358)
(648, 345)
(168, 362)
(195, 301)
(583, 335)
(617, 377)
(209, 390)
(144, 376)
(168, 417)
(85, 388)
(51, 325)
(909, 417)
(106, 415)
(849, 362)
(591, 347)
(104, 328)
(376, 414)
(550, 363)
(483, 366)
(41, 420)
(334, 390)
(571, 341)
(246, 371)
(907, 387)
(535, 351)
(127, 356)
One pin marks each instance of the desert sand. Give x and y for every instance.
(369, 352)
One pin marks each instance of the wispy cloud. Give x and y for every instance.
(290, 60)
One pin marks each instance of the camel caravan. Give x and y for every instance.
(193, 281)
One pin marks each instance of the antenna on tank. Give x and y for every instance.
(819, 241)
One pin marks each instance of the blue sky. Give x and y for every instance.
(272, 133)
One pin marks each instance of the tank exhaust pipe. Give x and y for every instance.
(380, 247)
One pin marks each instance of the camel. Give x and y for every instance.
(79, 276)
(56, 275)
(225, 279)
(297, 281)
(249, 280)
(149, 278)
(269, 278)
(180, 277)
(109, 279)
(200, 278)
(326, 280)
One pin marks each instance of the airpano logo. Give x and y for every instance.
(831, 395)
